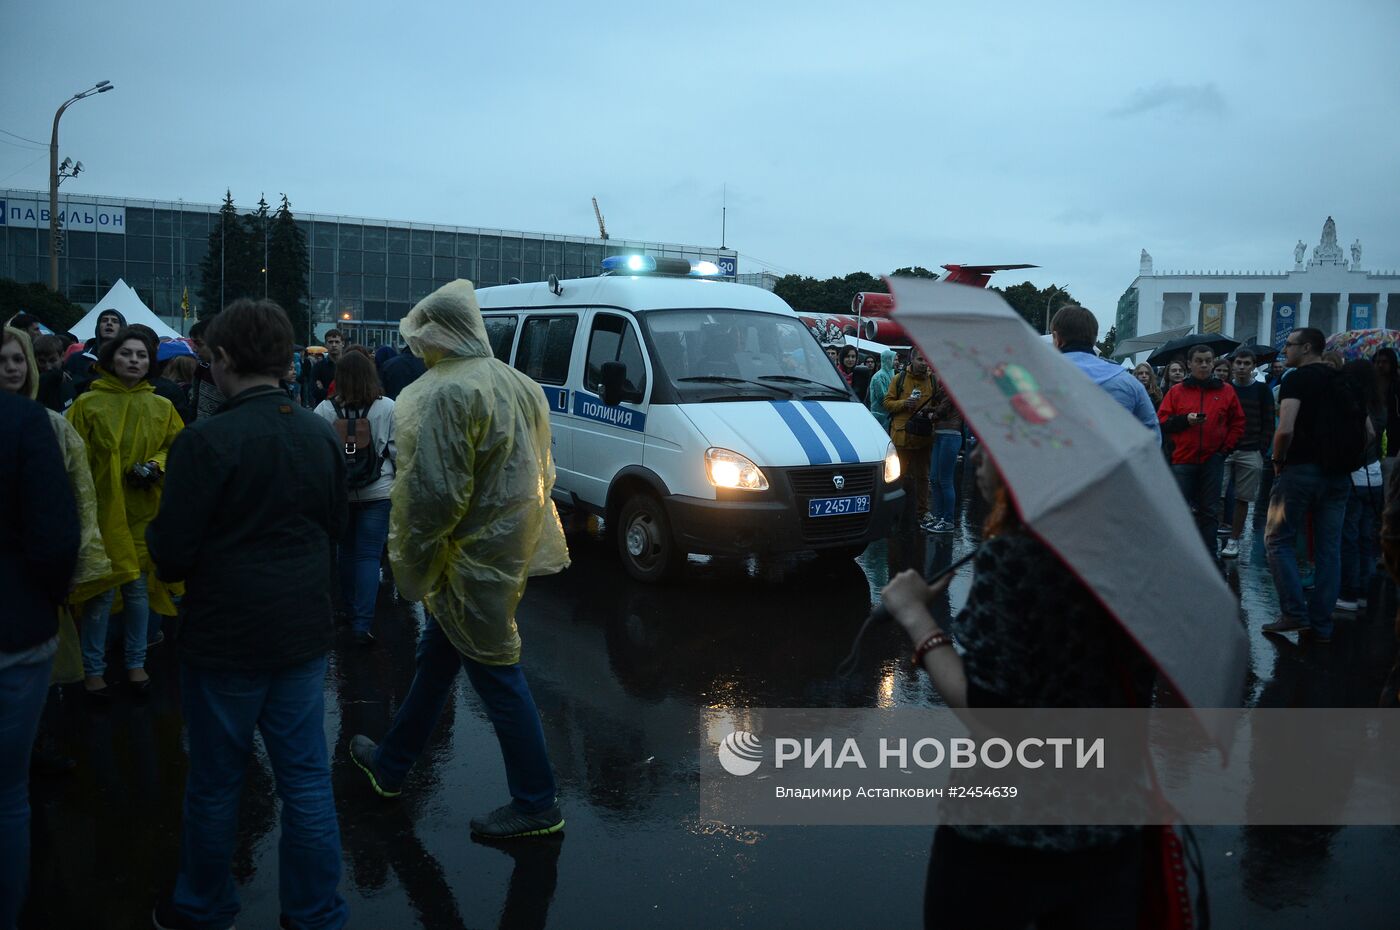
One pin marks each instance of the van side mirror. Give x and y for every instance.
(614, 382)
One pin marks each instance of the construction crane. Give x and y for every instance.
(602, 230)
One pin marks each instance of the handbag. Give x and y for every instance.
(1164, 898)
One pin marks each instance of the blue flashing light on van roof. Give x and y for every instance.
(647, 264)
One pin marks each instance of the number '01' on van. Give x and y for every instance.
(697, 415)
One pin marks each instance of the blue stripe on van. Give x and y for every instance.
(816, 452)
(824, 419)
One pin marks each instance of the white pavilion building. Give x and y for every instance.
(1327, 291)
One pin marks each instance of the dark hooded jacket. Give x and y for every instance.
(79, 364)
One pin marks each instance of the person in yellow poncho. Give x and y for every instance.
(19, 373)
(127, 430)
(471, 519)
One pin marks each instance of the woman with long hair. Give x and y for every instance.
(1144, 373)
(1176, 373)
(128, 430)
(1032, 635)
(846, 366)
(359, 398)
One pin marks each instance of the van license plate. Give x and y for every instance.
(836, 506)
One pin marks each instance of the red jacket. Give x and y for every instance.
(1220, 433)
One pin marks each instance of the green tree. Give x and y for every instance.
(288, 268)
(230, 269)
(1032, 302)
(54, 310)
(916, 271)
(1109, 341)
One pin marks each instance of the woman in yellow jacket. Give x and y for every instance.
(20, 374)
(127, 430)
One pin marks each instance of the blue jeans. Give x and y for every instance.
(1360, 529)
(359, 554)
(96, 615)
(22, 692)
(1298, 490)
(509, 705)
(942, 466)
(1200, 485)
(222, 708)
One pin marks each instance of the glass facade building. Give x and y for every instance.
(365, 274)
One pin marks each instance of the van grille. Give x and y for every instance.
(808, 483)
(816, 482)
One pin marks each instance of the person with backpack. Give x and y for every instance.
(363, 419)
(1322, 436)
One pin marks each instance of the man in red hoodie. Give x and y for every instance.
(1205, 421)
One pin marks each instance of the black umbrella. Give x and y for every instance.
(1215, 341)
(1263, 354)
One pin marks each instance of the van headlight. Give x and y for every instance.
(731, 470)
(891, 464)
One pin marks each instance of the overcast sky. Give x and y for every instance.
(1068, 135)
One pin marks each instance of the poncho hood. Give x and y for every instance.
(447, 324)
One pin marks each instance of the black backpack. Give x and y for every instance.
(1342, 446)
(363, 464)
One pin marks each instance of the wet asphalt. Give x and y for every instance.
(634, 683)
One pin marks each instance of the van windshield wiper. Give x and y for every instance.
(725, 379)
(796, 380)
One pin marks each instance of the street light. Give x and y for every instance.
(101, 87)
(1049, 297)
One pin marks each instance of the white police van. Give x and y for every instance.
(696, 415)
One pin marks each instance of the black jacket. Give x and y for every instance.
(39, 530)
(254, 500)
(401, 371)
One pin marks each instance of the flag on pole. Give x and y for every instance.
(185, 303)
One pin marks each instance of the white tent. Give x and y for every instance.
(125, 301)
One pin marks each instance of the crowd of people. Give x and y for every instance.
(230, 489)
(250, 486)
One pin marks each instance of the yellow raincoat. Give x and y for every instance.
(123, 426)
(471, 516)
(93, 564)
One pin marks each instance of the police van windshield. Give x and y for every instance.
(712, 355)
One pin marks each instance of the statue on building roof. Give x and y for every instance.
(1299, 251)
(1144, 263)
(1328, 252)
(1356, 254)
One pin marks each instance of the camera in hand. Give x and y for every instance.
(143, 475)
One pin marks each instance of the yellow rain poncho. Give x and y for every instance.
(121, 427)
(471, 516)
(93, 564)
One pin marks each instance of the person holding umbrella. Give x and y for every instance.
(1033, 635)
(1205, 421)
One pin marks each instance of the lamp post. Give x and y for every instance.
(101, 87)
(1049, 297)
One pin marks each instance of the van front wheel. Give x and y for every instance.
(644, 540)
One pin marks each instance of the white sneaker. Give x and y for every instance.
(941, 526)
(1231, 549)
(1346, 606)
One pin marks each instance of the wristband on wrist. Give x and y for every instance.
(935, 640)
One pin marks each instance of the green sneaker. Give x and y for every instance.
(507, 822)
(362, 750)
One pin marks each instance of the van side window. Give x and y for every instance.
(614, 340)
(546, 346)
(500, 330)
